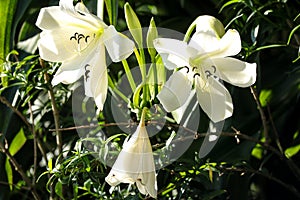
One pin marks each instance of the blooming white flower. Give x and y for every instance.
(135, 163)
(77, 38)
(201, 63)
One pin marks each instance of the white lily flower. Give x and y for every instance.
(135, 163)
(205, 60)
(77, 38)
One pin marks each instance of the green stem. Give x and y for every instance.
(129, 75)
(140, 55)
(189, 32)
(155, 77)
(144, 77)
(143, 116)
(54, 108)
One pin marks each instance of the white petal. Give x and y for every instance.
(212, 136)
(66, 76)
(229, 45)
(179, 52)
(135, 163)
(48, 18)
(209, 24)
(204, 42)
(179, 112)
(95, 76)
(80, 7)
(70, 70)
(175, 92)
(118, 46)
(214, 99)
(149, 185)
(56, 47)
(66, 4)
(54, 17)
(236, 72)
(169, 64)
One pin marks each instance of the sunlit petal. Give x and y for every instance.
(209, 24)
(66, 76)
(236, 72)
(80, 13)
(204, 42)
(214, 99)
(229, 45)
(56, 46)
(118, 46)
(169, 64)
(178, 51)
(48, 18)
(179, 112)
(95, 77)
(135, 164)
(175, 92)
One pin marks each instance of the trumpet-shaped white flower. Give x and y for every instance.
(205, 59)
(135, 163)
(76, 38)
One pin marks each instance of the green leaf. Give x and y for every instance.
(292, 33)
(134, 25)
(9, 173)
(112, 11)
(137, 96)
(229, 3)
(151, 35)
(59, 189)
(265, 97)
(291, 151)
(7, 10)
(17, 143)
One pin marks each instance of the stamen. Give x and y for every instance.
(214, 67)
(208, 73)
(86, 38)
(188, 70)
(194, 68)
(74, 36)
(86, 74)
(80, 36)
(196, 74)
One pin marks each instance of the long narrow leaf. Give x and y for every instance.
(17, 143)
(112, 10)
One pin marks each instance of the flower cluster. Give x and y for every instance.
(79, 40)
(76, 38)
(202, 62)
